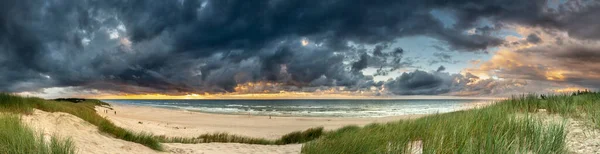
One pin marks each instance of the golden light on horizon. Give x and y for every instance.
(555, 75)
(152, 96)
(568, 90)
(280, 95)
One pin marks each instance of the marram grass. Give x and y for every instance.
(16, 138)
(84, 110)
(290, 138)
(504, 127)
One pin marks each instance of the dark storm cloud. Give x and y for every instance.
(437, 82)
(533, 38)
(431, 83)
(181, 46)
(361, 63)
(419, 83)
(441, 68)
(580, 19)
(205, 27)
(386, 59)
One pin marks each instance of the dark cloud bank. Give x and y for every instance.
(182, 46)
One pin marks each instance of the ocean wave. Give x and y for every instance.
(308, 108)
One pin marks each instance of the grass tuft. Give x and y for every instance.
(15, 137)
(301, 136)
(294, 137)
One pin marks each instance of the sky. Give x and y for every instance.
(297, 48)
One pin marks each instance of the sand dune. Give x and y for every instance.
(170, 122)
(87, 138)
(580, 137)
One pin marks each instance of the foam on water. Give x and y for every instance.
(322, 108)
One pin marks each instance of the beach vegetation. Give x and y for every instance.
(509, 126)
(290, 138)
(513, 125)
(15, 137)
(83, 109)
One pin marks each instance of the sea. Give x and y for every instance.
(313, 108)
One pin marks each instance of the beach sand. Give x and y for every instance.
(89, 140)
(86, 137)
(181, 123)
(581, 138)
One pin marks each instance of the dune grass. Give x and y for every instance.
(505, 127)
(84, 110)
(583, 105)
(475, 131)
(290, 138)
(15, 137)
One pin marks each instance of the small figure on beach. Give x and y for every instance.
(115, 112)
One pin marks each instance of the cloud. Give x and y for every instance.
(573, 61)
(533, 38)
(440, 83)
(195, 46)
(441, 68)
(420, 83)
(440, 57)
(360, 64)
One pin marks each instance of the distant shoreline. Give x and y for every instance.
(170, 122)
(314, 107)
(357, 98)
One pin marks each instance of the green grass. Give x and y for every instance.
(84, 110)
(290, 138)
(475, 131)
(16, 138)
(581, 105)
(505, 127)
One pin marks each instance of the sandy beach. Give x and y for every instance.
(181, 123)
(171, 122)
(89, 140)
